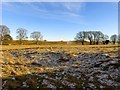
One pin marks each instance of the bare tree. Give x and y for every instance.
(36, 36)
(105, 39)
(22, 34)
(99, 36)
(90, 36)
(81, 36)
(113, 38)
(3, 31)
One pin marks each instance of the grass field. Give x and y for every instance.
(60, 66)
(8, 47)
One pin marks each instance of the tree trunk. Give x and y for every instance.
(94, 42)
(103, 42)
(113, 42)
(36, 42)
(82, 42)
(20, 42)
(97, 42)
(90, 42)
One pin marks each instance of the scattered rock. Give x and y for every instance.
(84, 70)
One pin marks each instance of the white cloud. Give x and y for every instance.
(68, 9)
(35, 7)
(40, 10)
(72, 6)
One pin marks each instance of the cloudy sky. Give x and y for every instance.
(62, 20)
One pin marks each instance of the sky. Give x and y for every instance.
(60, 20)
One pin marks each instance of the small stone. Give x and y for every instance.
(37, 86)
(107, 55)
(13, 78)
(24, 84)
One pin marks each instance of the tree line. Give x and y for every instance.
(21, 34)
(96, 37)
(93, 37)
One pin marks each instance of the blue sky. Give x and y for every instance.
(60, 21)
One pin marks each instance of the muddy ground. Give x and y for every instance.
(63, 67)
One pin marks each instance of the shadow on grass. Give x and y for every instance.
(32, 82)
(45, 81)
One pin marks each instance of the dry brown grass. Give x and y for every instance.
(9, 63)
(18, 67)
(8, 47)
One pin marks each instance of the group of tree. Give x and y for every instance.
(94, 37)
(21, 34)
